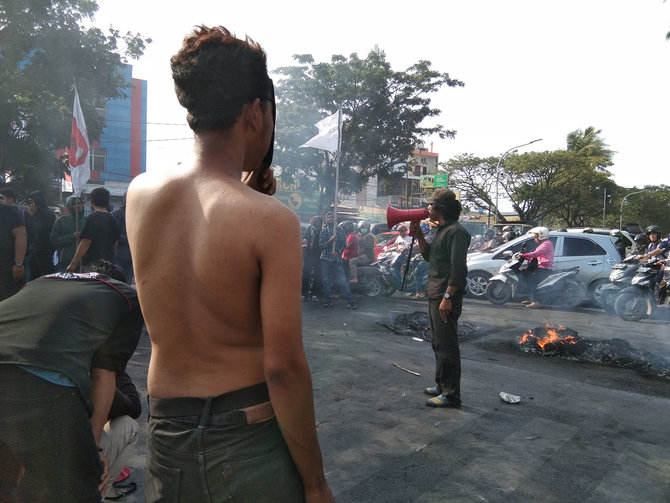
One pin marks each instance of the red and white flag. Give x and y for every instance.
(80, 162)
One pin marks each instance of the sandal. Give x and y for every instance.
(122, 490)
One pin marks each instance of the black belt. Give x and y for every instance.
(245, 400)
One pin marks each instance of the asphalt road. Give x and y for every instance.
(582, 432)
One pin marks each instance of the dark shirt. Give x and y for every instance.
(447, 257)
(70, 323)
(10, 219)
(127, 400)
(327, 248)
(312, 249)
(367, 245)
(104, 231)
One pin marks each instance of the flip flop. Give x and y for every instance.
(122, 490)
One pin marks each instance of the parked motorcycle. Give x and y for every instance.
(641, 298)
(620, 278)
(392, 265)
(560, 288)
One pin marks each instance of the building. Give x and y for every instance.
(121, 153)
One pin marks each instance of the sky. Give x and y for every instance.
(532, 68)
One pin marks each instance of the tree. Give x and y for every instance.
(588, 143)
(383, 111)
(475, 177)
(45, 47)
(652, 206)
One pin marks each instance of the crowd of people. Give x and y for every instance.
(36, 242)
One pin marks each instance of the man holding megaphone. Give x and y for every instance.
(447, 272)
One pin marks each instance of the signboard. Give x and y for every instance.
(434, 181)
(292, 196)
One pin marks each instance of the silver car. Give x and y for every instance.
(595, 254)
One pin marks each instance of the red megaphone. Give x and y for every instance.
(395, 216)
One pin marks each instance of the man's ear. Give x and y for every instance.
(255, 115)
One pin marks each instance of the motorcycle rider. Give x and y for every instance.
(490, 240)
(544, 253)
(656, 246)
(366, 250)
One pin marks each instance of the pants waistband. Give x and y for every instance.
(252, 402)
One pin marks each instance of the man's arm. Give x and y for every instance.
(20, 247)
(285, 364)
(103, 385)
(83, 247)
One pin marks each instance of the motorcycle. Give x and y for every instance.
(392, 265)
(560, 288)
(372, 281)
(641, 298)
(620, 278)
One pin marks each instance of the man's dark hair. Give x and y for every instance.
(215, 74)
(100, 197)
(40, 200)
(108, 268)
(7, 192)
(450, 210)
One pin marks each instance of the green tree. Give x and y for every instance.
(588, 143)
(44, 48)
(384, 112)
(649, 207)
(475, 178)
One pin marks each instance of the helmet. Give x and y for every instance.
(508, 236)
(403, 228)
(653, 228)
(641, 239)
(489, 233)
(478, 238)
(542, 232)
(507, 228)
(364, 226)
(615, 233)
(425, 227)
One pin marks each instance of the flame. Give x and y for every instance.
(552, 336)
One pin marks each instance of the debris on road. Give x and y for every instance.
(406, 370)
(509, 398)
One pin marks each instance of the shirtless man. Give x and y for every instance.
(222, 310)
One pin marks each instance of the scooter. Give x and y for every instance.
(560, 288)
(620, 278)
(641, 298)
(392, 265)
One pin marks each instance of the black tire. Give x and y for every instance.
(477, 282)
(572, 294)
(374, 286)
(605, 299)
(632, 304)
(498, 292)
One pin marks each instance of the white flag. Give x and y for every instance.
(80, 162)
(329, 134)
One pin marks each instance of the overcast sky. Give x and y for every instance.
(531, 68)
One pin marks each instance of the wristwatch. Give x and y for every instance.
(18, 262)
(447, 295)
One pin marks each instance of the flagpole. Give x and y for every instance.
(337, 171)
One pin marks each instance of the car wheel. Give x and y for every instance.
(498, 292)
(595, 292)
(477, 281)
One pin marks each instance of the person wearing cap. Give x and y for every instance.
(447, 272)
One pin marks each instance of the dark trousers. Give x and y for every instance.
(47, 426)
(311, 276)
(444, 339)
(534, 279)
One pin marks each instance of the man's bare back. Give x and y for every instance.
(201, 270)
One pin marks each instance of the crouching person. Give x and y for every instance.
(63, 339)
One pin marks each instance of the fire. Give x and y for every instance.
(553, 336)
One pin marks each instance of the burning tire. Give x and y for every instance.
(498, 292)
(633, 305)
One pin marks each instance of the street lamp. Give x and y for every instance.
(621, 211)
(498, 170)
